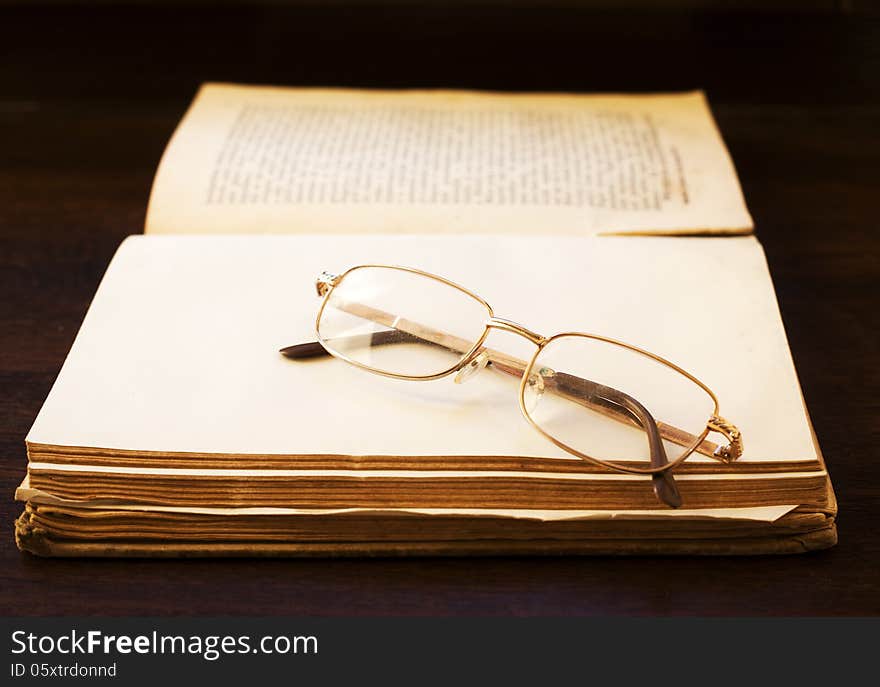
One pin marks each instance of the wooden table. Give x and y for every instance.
(89, 99)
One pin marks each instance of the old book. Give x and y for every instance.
(174, 397)
(175, 428)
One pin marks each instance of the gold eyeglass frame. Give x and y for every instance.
(326, 282)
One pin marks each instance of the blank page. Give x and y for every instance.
(179, 349)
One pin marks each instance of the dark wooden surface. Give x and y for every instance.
(89, 98)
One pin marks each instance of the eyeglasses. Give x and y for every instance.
(607, 402)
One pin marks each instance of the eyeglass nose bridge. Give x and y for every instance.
(515, 328)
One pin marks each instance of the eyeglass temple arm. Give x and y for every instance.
(726, 454)
(612, 403)
(515, 367)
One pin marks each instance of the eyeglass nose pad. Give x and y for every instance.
(474, 366)
(535, 387)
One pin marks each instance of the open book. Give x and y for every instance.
(174, 394)
(176, 428)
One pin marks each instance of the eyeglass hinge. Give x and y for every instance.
(734, 449)
(325, 282)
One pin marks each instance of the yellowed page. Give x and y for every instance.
(251, 159)
(179, 350)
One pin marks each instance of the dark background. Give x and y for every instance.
(90, 94)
